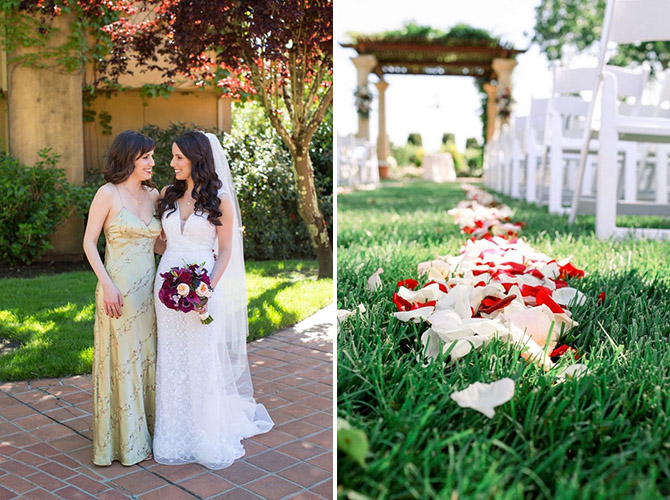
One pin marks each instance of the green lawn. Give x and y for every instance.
(51, 316)
(603, 436)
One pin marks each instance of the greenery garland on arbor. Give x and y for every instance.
(459, 34)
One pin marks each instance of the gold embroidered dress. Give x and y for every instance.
(124, 359)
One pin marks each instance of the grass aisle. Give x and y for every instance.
(52, 316)
(603, 436)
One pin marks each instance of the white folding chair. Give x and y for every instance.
(365, 161)
(567, 116)
(345, 161)
(626, 21)
(492, 164)
(534, 139)
(518, 152)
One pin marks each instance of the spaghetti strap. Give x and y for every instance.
(120, 197)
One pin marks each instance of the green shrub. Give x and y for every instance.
(321, 152)
(408, 154)
(415, 139)
(460, 164)
(36, 201)
(475, 160)
(472, 143)
(448, 137)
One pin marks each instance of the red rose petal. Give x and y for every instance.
(544, 297)
(418, 305)
(408, 283)
(401, 304)
(501, 303)
(560, 351)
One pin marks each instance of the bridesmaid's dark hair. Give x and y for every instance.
(120, 159)
(196, 147)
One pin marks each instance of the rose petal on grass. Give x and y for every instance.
(485, 397)
(374, 281)
(535, 322)
(568, 296)
(415, 315)
(343, 314)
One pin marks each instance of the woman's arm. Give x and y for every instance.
(98, 213)
(225, 234)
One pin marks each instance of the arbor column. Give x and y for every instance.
(491, 110)
(383, 152)
(503, 69)
(45, 111)
(364, 66)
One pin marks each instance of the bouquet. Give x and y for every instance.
(185, 288)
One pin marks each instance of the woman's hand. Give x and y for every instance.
(113, 300)
(201, 309)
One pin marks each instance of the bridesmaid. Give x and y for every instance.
(124, 358)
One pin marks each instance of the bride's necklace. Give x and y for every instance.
(137, 198)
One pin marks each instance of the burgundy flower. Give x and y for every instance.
(185, 305)
(185, 277)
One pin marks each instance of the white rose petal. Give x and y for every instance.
(485, 397)
(374, 281)
(568, 296)
(415, 315)
(343, 314)
(534, 322)
(183, 289)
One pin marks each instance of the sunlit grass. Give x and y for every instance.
(605, 436)
(52, 316)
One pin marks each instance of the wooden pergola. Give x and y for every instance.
(484, 59)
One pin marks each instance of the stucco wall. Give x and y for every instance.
(130, 112)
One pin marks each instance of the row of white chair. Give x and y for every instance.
(560, 156)
(356, 162)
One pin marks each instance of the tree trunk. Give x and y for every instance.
(308, 208)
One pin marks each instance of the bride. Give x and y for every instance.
(204, 396)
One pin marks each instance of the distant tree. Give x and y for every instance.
(577, 24)
(448, 137)
(414, 138)
(472, 143)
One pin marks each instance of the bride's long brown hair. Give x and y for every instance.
(206, 183)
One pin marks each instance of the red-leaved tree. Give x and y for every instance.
(282, 47)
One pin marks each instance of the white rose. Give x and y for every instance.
(203, 290)
(183, 289)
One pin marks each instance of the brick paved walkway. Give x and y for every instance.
(46, 429)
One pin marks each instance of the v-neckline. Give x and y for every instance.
(146, 224)
(182, 228)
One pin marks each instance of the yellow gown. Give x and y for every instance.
(124, 359)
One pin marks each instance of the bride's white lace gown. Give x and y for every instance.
(204, 396)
